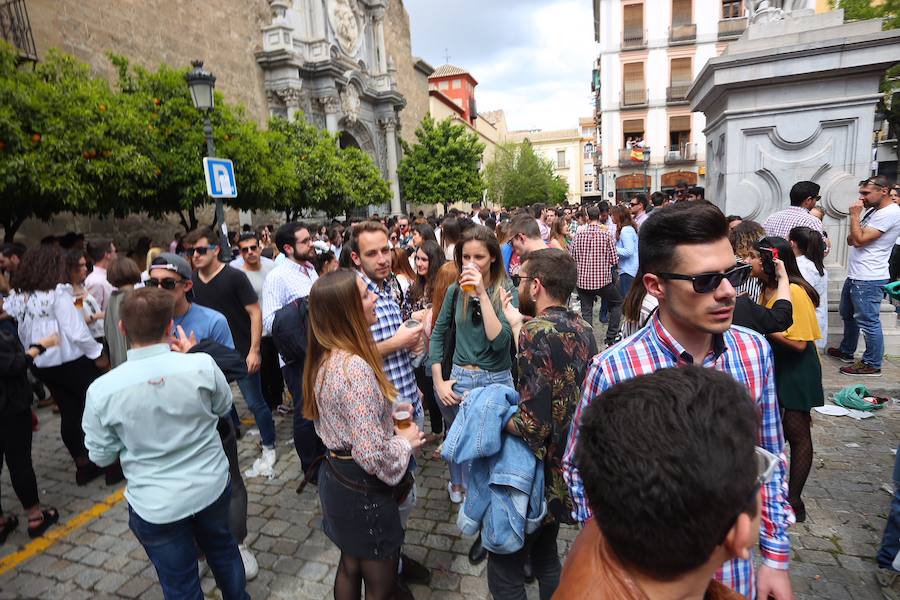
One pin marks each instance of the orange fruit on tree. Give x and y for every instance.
(36, 137)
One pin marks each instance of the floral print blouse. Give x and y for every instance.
(354, 416)
(555, 350)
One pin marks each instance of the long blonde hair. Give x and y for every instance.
(336, 322)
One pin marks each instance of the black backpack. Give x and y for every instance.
(290, 331)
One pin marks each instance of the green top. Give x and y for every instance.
(472, 345)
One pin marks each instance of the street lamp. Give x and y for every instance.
(646, 158)
(202, 84)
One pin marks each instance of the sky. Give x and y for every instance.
(531, 58)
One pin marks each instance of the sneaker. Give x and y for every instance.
(861, 369)
(268, 456)
(841, 356)
(889, 583)
(284, 410)
(456, 496)
(251, 567)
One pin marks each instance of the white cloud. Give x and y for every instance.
(531, 59)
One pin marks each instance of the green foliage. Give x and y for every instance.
(70, 142)
(64, 143)
(858, 10)
(520, 177)
(443, 165)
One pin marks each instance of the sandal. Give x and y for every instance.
(7, 527)
(47, 519)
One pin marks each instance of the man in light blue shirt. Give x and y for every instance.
(157, 413)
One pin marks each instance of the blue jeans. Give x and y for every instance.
(860, 304)
(172, 548)
(625, 281)
(890, 541)
(306, 441)
(466, 381)
(251, 390)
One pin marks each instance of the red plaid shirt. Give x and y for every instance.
(594, 251)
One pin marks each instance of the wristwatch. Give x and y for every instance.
(41, 349)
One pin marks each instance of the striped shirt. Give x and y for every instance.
(746, 356)
(397, 365)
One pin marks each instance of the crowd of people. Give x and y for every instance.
(664, 442)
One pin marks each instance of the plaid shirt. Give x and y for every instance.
(397, 366)
(594, 251)
(748, 358)
(780, 224)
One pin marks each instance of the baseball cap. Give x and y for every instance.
(172, 262)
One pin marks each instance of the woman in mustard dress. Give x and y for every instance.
(798, 372)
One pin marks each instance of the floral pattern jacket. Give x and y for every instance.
(555, 350)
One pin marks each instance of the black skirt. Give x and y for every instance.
(363, 525)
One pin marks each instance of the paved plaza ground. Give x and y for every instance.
(92, 554)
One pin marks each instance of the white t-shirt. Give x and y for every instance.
(820, 284)
(870, 263)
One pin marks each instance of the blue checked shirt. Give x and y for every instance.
(397, 366)
(746, 356)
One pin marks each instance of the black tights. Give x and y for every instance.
(797, 424)
(380, 577)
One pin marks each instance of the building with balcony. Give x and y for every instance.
(650, 52)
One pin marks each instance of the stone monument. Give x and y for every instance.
(328, 59)
(794, 99)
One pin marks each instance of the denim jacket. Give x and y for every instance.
(505, 499)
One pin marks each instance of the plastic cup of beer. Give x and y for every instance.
(402, 417)
(469, 288)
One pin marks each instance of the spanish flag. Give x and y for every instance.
(637, 154)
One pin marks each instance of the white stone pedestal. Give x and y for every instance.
(794, 100)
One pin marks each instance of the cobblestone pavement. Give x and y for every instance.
(833, 550)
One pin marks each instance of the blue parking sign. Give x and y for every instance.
(220, 181)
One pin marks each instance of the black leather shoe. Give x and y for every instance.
(413, 571)
(528, 571)
(477, 553)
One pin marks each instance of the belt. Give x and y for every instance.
(340, 454)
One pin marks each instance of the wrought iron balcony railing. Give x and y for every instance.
(681, 154)
(732, 28)
(677, 93)
(683, 33)
(15, 28)
(634, 38)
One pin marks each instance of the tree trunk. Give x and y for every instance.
(10, 228)
(184, 222)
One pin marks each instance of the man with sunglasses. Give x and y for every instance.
(228, 291)
(689, 267)
(638, 208)
(872, 237)
(804, 195)
(643, 463)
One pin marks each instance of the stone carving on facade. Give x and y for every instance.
(763, 11)
(331, 104)
(350, 103)
(388, 123)
(346, 20)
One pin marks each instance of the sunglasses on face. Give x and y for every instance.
(705, 283)
(516, 279)
(200, 250)
(866, 182)
(166, 284)
(246, 249)
(766, 463)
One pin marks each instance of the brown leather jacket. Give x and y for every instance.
(592, 572)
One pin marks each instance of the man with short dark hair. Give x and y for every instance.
(405, 238)
(658, 200)
(871, 239)
(538, 210)
(256, 266)
(689, 267)
(696, 193)
(228, 291)
(804, 195)
(554, 350)
(648, 469)
(681, 191)
(158, 413)
(290, 280)
(594, 251)
(638, 207)
(101, 253)
(525, 236)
